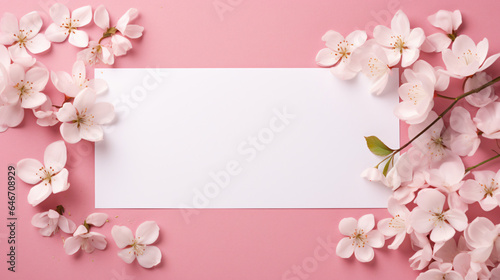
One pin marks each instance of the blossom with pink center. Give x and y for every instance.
(83, 118)
(447, 21)
(338, 52)
(50, 177)
(72, 84)
(139, 246)
(400, 42)
(361, 238)
(398, 225)
(484, 189)
(465, 58)
(430, 216)
(22, 36)
(51, 221)
(483, 97)
(66, 24)
(26, 86)
(464, 138)
(488, 120)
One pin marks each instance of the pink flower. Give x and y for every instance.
(400, 42)
(23, 35)
(46, 114)
(488, 120)
(53, 175)
(483, 97)
(429, 216)
(397, 226)
(96, 53)
(447, 21)
(86, 240)
(71, 85)
(83, 118)
(361, 238)
(140, 248)
(465, 58)
(49, 222)
(26, 87)
(484, 189)
(464, 139)
(431, 143)
(423, 256)
(65, 25)
(482, 236)
(97, 219)
(338, 52)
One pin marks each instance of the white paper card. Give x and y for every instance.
(241, 138)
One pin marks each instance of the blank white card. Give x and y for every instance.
(241, 138)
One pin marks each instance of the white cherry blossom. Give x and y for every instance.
(72, 84)
(66, 24)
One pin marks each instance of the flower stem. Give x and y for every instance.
(481, 163)
(445, 97)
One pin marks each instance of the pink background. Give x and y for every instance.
(217, 244)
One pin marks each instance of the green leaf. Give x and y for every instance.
(386, 167)
(378, 147)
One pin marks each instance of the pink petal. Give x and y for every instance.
(38, 44)
(364, 254)
(442, 19)
(456, 19)
(120, 45)
(107, 56)
(55, 156)
(347, 226)
(59, 13)
(127, 255)
(59, 182)
(39, 193)
(326, 57)
(398, 240)
(462, 44)
(431, 200)
(84, 100)
(416, 38)
(70, 133)
(79, 38)
(122, 235)
(439, 41)
(409, 57)
(20, 56)
(66, 225)
(64, 83)
(480, 233)
(383, 36)
(345, 248)
(39, 76)
(150, 257)
(97, 240)
(27, 170)
(101, 17)
(31, 22)
(376, 239)
(72, 245)
(471, 190)
(456, 219)
(9, 27)
(133, 31)
(91, 133)
(386, 229)
(82, 16)
(489, 61)
(421, 220)
(130, 15)
(400, 24)
(442, 232)
(40, 220)
(78, 70)
(35, 99)
(11, 115)
(97, 219)
(56, 33)
(80, 230)
(147, 232)
(67, 113)
(366, 222)
(488, 203)
(461, 121)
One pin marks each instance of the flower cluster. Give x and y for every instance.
(22, 83)
(432, 187)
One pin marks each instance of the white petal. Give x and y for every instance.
(129, 15)
(20, 56)
(364, 254)
(27, 170)
(85, 99)
(31, 23)
(60, 181)
(133, 31)
(40, 220)
(375, 239)
(82, 16)
(442, 232)
(150, 257)
(400, 24)
(121, 45)
(103, 112)
(11, 115)
(366, 222)
(56, 33)
(431, 200)
(345, 248)
(55, 156)
(147, 232)
(439, 41)
(97, 240)
(127, 255)
(421, 220)
(38, 44)
(456, 219)
(79, 38)
(72, 245)
(9, 27)
(67, 113)
(101, 17)
(66, 225)
(70, 133)
(91, 133)
(59, 13)
(97, 219)
(347, 226)
(326, 57)
(39, 193)
(122, 235)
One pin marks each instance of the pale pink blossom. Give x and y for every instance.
(398, 225)
(96, 53)
(482, 237)
(49, 222)
(23, 36)
(483, 97)
(86, 240)
(439, 80)
(26, 86)
(66, 24)
(484, 189)
(97, 219)
(447, 21)
(488, 120)
(374, 174)
(50, 177)
(72, 84)
(464, 138)
(83, 118)
(445, 252)
(432, 142)
(430, 216)
(445, 272)
(465, 58)
(46, 114)
(338, 52)
(400, 42)
(140, 245)
(447, 173)
(423, 255)
(11, 115)
(361, 238)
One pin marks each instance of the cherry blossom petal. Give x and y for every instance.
(70, 133)
(27, 170)
(66, 225)
(99, 85)
(9, 27)
(67, 113)
(72, 245)
(79, 38)
(39, 193)
(480, 233)
(32, 22)
(421, 220)
(120, 45)
(364, 253)
(60, 181)
(439, 41)
(456, 219)
(101, 17)
(92, 133)
(55, 156)
(59, 13)
(56, 33)
(123, 21)
(20, 56)
(122, 235)
(326, 57)
(97, 219)
(127, 255)
(366, 222)
(150, 257)
(10, 115)
(431, 200)
(376, 239)
(82, 16)
(343, 72)
(488, 62)
(38, 44)
(345, 248)
(40, 220)
(488, 120)
(348, 225)
(483, 97)
(34, 100)
(133, 31)
(85, 99)
(147, 232)
(97, 240)
(409, 57)
(103, 112)
(442, 232)
(488, 203)
(400, 23)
